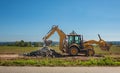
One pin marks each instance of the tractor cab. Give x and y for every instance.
(74, 38)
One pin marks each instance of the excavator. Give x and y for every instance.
(73, 43)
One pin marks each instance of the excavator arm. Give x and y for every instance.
(101, 43)
(61, 34)
(51, 32)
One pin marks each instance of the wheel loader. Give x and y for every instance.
(73, 43)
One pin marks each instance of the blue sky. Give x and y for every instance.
(30, 20)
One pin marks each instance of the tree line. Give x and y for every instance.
(22, 43)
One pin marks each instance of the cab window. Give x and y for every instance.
(77, 39)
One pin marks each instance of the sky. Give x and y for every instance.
(30, 20)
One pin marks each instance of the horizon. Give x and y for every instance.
(41, 41)
(30, 20)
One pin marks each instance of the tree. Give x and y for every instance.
(17, 43)
(38, 44)
(22, 43)
(29, 44)
(41, 44)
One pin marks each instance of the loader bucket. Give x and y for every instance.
(105, 48)
(103, 44)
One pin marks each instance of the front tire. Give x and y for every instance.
(73, 51)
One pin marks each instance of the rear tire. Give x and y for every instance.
(91, 52)
(73, 51)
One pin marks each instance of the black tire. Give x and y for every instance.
(90, 52)
(73, 51)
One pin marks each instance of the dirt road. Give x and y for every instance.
(4, 69)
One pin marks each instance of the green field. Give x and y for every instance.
(113, 50)
(34, 61)
(16, 50)
(21, 50)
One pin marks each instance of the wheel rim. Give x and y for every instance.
(74, 51)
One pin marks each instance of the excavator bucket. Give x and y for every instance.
(103, 44)
(48, 42)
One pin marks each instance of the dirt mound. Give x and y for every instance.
(44, 52)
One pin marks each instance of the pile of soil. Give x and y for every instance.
(44, 52)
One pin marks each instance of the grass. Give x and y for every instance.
(107, 61)
(16, 50)
(113, 50)
(20, 50)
